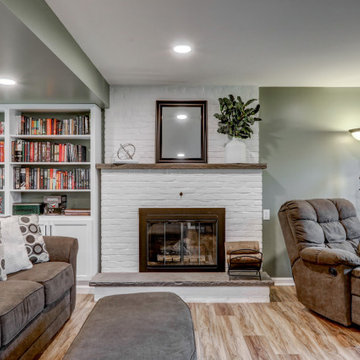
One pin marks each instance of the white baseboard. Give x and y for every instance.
(283, 281)
(82, 287)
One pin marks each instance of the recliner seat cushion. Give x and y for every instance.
(20, 303)
(56, 277)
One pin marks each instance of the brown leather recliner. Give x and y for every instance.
(322, 238)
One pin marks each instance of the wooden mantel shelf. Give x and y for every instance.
(241, 166)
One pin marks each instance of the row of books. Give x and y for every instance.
(2, 125)
(2, 153)
(77, 212)
(41, 151)
(78, 125)
(2, 170)
(26, 178)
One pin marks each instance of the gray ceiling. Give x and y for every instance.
(258, 42)
(41, 76)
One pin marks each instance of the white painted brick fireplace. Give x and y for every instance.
(131, 118)
(125, 191)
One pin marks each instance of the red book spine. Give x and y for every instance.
(27, 179)
(51, 179)
(48, 126)
(31, 152)
(1, 151)
(22, 127)
(38, 179)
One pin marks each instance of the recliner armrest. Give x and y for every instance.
(325, 256)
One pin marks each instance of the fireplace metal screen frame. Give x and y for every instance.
(182, 214)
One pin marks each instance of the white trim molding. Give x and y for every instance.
(82, 287)
(283, 281)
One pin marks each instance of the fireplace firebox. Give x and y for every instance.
(185, 239)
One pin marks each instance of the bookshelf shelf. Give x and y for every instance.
(52, 137)
(57, 163)
(55, 191)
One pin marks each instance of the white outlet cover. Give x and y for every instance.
(266, 214)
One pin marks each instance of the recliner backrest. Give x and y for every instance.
(319, 222)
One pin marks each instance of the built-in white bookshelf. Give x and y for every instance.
(85, 228)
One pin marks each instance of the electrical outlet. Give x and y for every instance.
(266, 214)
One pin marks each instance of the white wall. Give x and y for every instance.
(131, 118)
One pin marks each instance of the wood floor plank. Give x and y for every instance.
(259, 348)
(282, 330)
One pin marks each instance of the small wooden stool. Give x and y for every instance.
(243, 256)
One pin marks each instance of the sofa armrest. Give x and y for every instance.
(325, 256)
(64, 249)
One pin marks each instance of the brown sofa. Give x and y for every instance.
(36, 303)
(322, 238)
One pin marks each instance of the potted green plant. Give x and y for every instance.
(236, 118)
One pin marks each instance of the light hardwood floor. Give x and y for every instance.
(280, 330)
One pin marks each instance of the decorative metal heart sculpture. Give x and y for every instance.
(126, 152)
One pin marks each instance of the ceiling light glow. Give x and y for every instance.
(6, 81)
(182, 49)
(180, 155)
(181, 116)
(355, 133)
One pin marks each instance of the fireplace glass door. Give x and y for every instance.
(173, 243)
(181, 239)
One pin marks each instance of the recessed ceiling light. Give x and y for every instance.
(6, 81)
(182, 49)
(355, 133)
(181, 116)
(180, 155)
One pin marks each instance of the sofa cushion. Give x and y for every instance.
(56, 277)
(20, 302)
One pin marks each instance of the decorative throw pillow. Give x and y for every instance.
(2, 261)
(34, 241)
(16, 258)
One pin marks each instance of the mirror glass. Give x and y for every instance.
(181, 131)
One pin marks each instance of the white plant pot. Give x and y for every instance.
(235, 151)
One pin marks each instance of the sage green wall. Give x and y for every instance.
(304, 140)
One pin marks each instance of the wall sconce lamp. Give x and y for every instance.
(355, 133)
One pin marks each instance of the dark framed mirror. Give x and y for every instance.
(181, 131)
